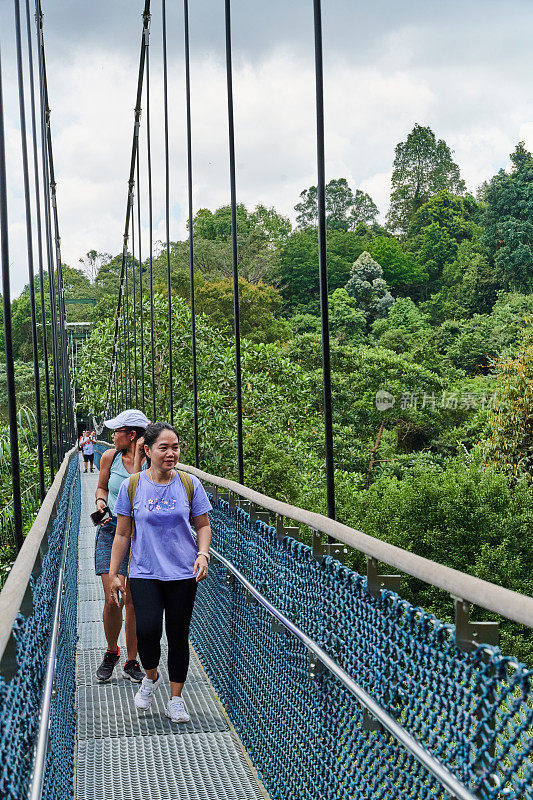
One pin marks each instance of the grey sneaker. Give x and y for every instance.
(176, 710)
(145, 695)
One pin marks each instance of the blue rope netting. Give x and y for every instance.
(20, 698)
(473, 711)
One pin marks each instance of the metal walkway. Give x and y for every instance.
(121, 756)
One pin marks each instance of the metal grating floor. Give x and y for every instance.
(123, 756)
(201, 766)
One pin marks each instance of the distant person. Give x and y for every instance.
(166, 561)
(115, 466)
(87, 448)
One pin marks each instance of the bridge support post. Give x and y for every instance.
(375, 583)
(370, 723)
(316, 667)
(468, 635)
(229, 579)
(322, 549)
(214, 491)
(282, 530)
(255, 514)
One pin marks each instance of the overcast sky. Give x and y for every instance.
(463, 68)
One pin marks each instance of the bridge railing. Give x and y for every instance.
(38, 607)
(338, 687)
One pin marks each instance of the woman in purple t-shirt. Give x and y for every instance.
(166, 562)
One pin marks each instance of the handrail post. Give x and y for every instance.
(468, 635)
(375, 583)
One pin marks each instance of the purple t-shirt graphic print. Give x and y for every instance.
(163, 546)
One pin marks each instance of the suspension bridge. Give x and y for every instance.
(308, 681)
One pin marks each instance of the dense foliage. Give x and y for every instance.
(431, 354)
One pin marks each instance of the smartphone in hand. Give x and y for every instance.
(101, 516)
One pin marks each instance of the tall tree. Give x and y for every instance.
(92, 261)
(437, 229)
(363, 210)
(298, 270)
(509, 221)
(422, 167)
(367, 286)
(344, 209)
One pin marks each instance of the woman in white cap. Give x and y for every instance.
(115, 466)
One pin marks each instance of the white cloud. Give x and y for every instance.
(379, 81)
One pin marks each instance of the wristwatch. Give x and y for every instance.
(203, 553)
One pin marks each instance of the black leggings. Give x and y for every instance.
(176, 599)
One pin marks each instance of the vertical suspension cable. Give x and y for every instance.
(140, 276)
(125, 317)
(167, 210)
(127, 360)
(191, 236)
(122, 362)
(48, 238)
(115, 412)
(112, 377)
(8, 336)
(150, 216)
(235, 261)
(68, 419)
(39, 243)
(134, 313)
(322, 259)
(29, 240)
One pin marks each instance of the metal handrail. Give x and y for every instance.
(432, 764)
(14, 589)
(511, 605)
(40, 750)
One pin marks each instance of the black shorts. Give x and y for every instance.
(88, 459)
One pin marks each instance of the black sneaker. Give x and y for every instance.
(105, 670)
(132, 671)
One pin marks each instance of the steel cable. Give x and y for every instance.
(112, 380)
(48, 239)
(67, 426)
(8, 335)
(191, 231)
(322, 259)
(150, 216)
(29, 242)
(140, 276)
(167, 209)
(134, 313)
(39, 242)
(234, 249)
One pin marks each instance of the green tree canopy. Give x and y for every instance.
(367, 287)
(344, 209)
(258, 306)
(510, 445)
(400, 269)
(508, 221)
(298, 265)
(422, 167)
(346, 320)
(438, 228)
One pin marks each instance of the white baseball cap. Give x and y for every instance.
(132, 418)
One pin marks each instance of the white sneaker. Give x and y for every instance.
(145, 695)
(176, 710)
